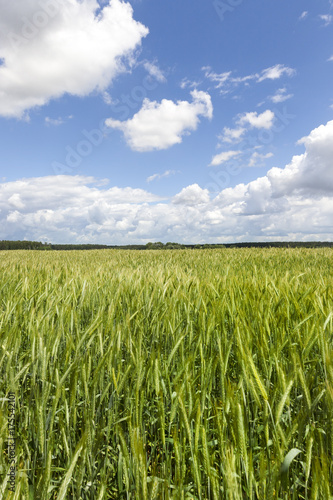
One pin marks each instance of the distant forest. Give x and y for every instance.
(37, 245)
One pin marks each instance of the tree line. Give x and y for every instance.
(37, 245)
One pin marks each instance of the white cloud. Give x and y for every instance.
(263, 120)
(290, 203)
(232, 134)
(192, 195)
(281, 96)
(225, 82)
(242, 79)
(303, 15)
(107, 98)
(66, 208)
(220, 79)
(54, 121)
(161, 125)
(154, 71)
(56, 47)
(327, 18)
(256, 159)
(311, 172)
(186, 83)
(245, 122)
(331, 58)
(223, 157)
(155, 177)
(57, 121)
(275, 72)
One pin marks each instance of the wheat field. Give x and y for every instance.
(168, 374)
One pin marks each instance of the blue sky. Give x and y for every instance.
(201, 121)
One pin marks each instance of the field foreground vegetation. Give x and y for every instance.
(174, 374)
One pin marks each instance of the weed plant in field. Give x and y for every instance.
(175, 374)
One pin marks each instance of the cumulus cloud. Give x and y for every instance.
(263, 120)
(307, 176)
(53, 47)
(289, 200)
(290, 203)
(162, 125)
(65, 208)
(223, 157)
(192, 195)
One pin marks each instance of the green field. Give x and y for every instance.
(177, 374)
